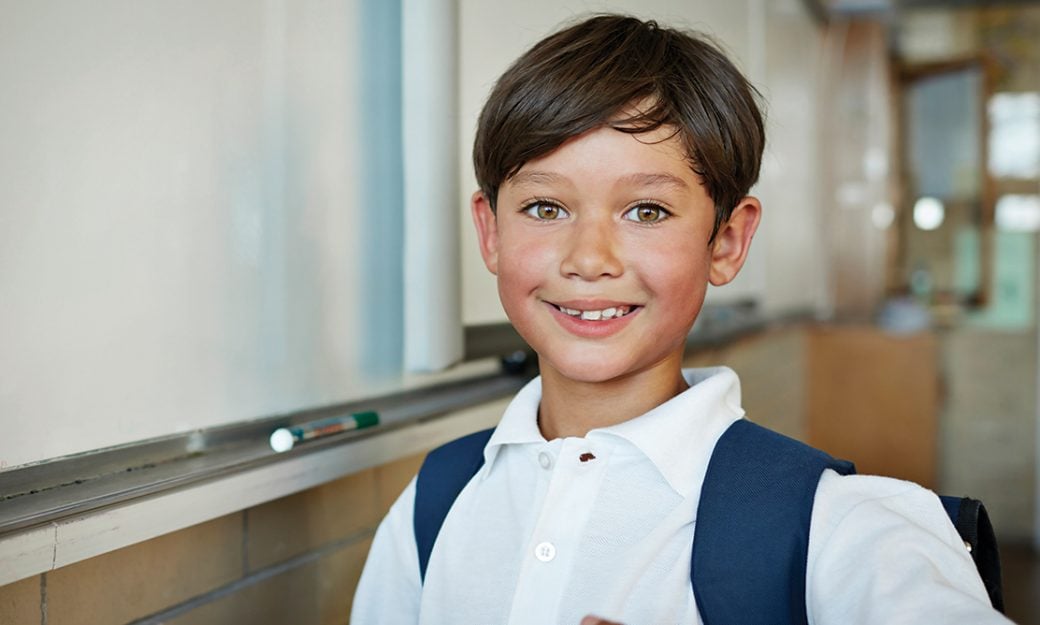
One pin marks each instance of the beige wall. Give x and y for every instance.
(858, 165)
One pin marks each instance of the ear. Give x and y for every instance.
(733, 240)
(487, 230)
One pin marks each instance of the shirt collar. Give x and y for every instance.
(677, 437)
(519, 423)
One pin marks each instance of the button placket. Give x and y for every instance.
(571, 487)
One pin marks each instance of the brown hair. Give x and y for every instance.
(591, 74)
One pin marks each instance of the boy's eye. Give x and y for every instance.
(647, 213)
(545, 211)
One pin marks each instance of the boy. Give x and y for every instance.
(614, 159)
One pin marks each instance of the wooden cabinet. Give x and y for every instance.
(873, 398)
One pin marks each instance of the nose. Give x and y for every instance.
(592, 252)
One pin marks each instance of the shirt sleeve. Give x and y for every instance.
(389, 589)
(884, 551)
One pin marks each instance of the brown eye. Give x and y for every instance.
(545, 211)
(647, 214)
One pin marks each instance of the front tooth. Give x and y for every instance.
(572, 312)
(610, 313)
(591, 315)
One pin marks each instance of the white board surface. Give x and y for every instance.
(182, 215)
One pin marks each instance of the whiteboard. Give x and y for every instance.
(187, 218)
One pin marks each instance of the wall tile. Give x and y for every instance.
(771, 366)
(772, 370)
(392, 478)
(292, 525)
(988, 426)
(141, 579)
(20, 602)
(318, 593)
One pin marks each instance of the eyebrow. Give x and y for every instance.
(655, 180)
(535, 177)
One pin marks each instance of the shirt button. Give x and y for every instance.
(545, 552)
(545, 460)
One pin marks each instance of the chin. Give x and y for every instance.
(589, 370)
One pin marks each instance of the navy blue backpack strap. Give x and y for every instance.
(751, 537)
(443, 475)
(970, 518)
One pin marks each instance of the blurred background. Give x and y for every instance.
(216, 212)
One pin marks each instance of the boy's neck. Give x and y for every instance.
(572, 408)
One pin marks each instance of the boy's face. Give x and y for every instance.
(601, 252)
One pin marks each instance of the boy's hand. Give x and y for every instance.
(595, 620)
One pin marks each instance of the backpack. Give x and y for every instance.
(743, 568)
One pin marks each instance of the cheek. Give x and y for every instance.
(511, 287)
(678, 277)
(518, 276)
(676, 269)
(525, 261)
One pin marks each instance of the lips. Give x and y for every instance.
(593, 318)
(601, 314)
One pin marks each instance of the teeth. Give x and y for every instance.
(598, 315)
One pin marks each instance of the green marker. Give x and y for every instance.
(283, 439)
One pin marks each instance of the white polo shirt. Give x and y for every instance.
(548, 532)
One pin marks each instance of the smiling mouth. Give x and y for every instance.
(605, 314)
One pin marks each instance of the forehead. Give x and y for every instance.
(609, 156)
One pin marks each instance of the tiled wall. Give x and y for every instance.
(987, 438)
(771, 367)
(292, 561)
(20, 602)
